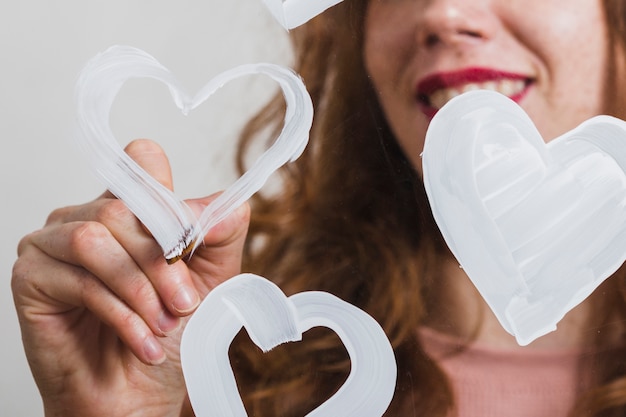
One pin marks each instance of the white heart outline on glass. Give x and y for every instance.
(271, 318)
(476, 204)
(293, 13)
(167, 217)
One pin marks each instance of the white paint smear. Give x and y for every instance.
(293, 13)
(270, 319)
(536, 227)
(167, 217)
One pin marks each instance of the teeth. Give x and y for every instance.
(470, 87)
(441, 97)
(491, 85)
(438, 99)
(507, 87)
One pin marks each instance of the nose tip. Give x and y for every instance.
(452, 22)
(450, 37)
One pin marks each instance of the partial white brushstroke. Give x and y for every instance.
(167, 217)
(536, 227)
(270, 318)
(293, 13)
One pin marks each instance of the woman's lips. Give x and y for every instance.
(437, 89)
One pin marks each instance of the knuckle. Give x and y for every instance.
(140, 289)
(24, 243)
(25, 274)
(59, 215)
(112, 210)
(90, 290)
(128, 319)
(117, 312)
(20, 274)
(88, 236)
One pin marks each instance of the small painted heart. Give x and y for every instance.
(168, 218)
(537, 227)
(293, 13)
(270, 318)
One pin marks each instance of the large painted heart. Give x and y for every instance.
(293, 13)
(270, 318)
(537, 227)
(168, 218)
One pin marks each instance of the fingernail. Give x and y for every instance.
(153, 350)
(185, 300)
(167, 323)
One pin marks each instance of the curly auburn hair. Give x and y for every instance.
(352, 219)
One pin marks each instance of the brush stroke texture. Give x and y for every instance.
(167, 217)
(293, 13)
(270, 318)
(537, 227)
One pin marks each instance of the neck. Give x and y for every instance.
(459, 310)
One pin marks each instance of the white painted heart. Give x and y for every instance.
(293, 13)
(168, 218)
(270, 318)
(536, 227)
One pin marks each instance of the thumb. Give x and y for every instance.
(219, 256)
(152, 158)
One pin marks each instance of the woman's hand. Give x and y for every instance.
(101, 312)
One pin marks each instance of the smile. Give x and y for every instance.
(434, 91)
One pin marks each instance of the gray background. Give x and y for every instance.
(43, 45)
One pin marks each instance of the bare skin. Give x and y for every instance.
(408, 41)
(102, 313)
(97, 303)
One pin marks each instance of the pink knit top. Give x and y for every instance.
(490, 382)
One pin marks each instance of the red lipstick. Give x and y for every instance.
(446, 80)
